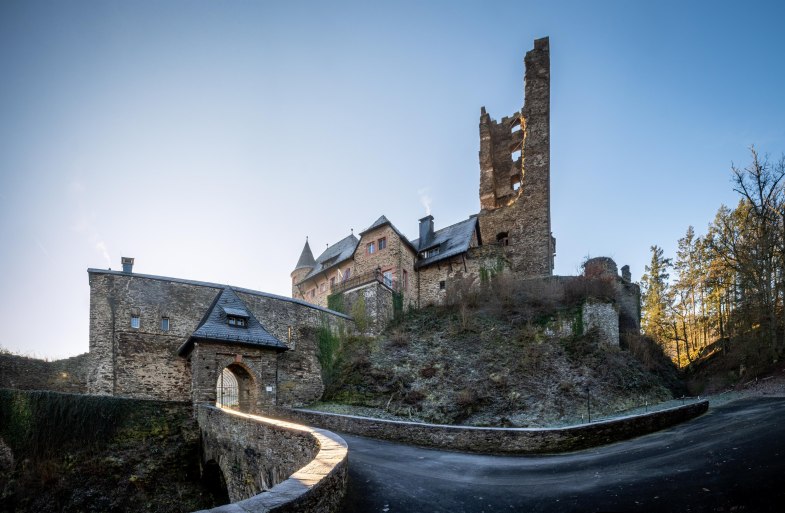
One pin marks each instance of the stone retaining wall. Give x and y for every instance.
(272, 465)
(501, 440)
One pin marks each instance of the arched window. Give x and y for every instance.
(503, 239)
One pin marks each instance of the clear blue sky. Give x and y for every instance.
(208, 138)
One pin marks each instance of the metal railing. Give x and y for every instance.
(363, 279)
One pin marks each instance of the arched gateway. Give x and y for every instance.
(233, 358)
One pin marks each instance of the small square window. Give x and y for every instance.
(164, 323)
(442, 285)
(382, 243)
(135, 322)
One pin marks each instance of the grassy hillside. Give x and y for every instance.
(489, 362)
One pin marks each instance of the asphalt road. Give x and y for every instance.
(730, 459)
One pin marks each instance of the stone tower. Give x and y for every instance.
(304, 265)
(515, 173)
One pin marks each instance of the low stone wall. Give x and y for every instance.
(272, 465)
(24, 373)
(501, 440)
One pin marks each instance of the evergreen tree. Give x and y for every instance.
(655, 296)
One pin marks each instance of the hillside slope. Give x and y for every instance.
(487, 365)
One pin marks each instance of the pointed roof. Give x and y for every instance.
(377, 224)
(334, 255)
(382, 221)
(215, 326)
(306, 260)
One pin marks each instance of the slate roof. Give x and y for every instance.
(334, 255)
(306, 258)
(452, 240)
(214, 326)
(197, 283)
(382, 221)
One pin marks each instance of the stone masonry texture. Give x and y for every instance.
(143, 362)
(298, 469)
(501, 440)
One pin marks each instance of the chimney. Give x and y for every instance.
(426, 231)
(128, 264)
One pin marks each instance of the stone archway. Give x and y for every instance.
(236, 388)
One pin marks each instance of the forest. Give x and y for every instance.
(722, 295)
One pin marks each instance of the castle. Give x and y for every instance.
(512, 229)
(157, 337)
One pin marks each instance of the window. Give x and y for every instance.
(382, 243)
(430, 252)
(313, 293)
(405, 280)
(135, 321)
(388, 278)
(371, 248)
(515, 182)
(442, 285)
(503, 239)
(164, 323)
(239, 322)
(332, 282)
(323, 287)
(347, 274)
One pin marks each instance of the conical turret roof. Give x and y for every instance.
(306, 260)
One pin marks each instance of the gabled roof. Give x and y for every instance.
(452, 240)
(334, 255)
(215, 326)
(217, 286)
(382, 221)
(306, 260)
(377, 224)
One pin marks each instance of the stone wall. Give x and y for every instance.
(520, 219)
(602, 318)
(297, 468)
(378, 301)
(296, 324)
(143, 362)
(396, 257)
(476, 259)
(254, 368)
(502, 440)
(25, 373)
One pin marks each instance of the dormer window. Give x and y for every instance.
(239, 322)
(236, 317)
(430, 252)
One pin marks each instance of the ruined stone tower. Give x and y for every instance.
(515, 174)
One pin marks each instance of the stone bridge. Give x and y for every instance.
(272, 465)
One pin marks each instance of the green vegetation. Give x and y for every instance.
(360, 314)
(335, 302)
(96, 454)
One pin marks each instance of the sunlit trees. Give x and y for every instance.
(655, 296)
(728, 290)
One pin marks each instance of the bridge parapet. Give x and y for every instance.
(272, 465)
